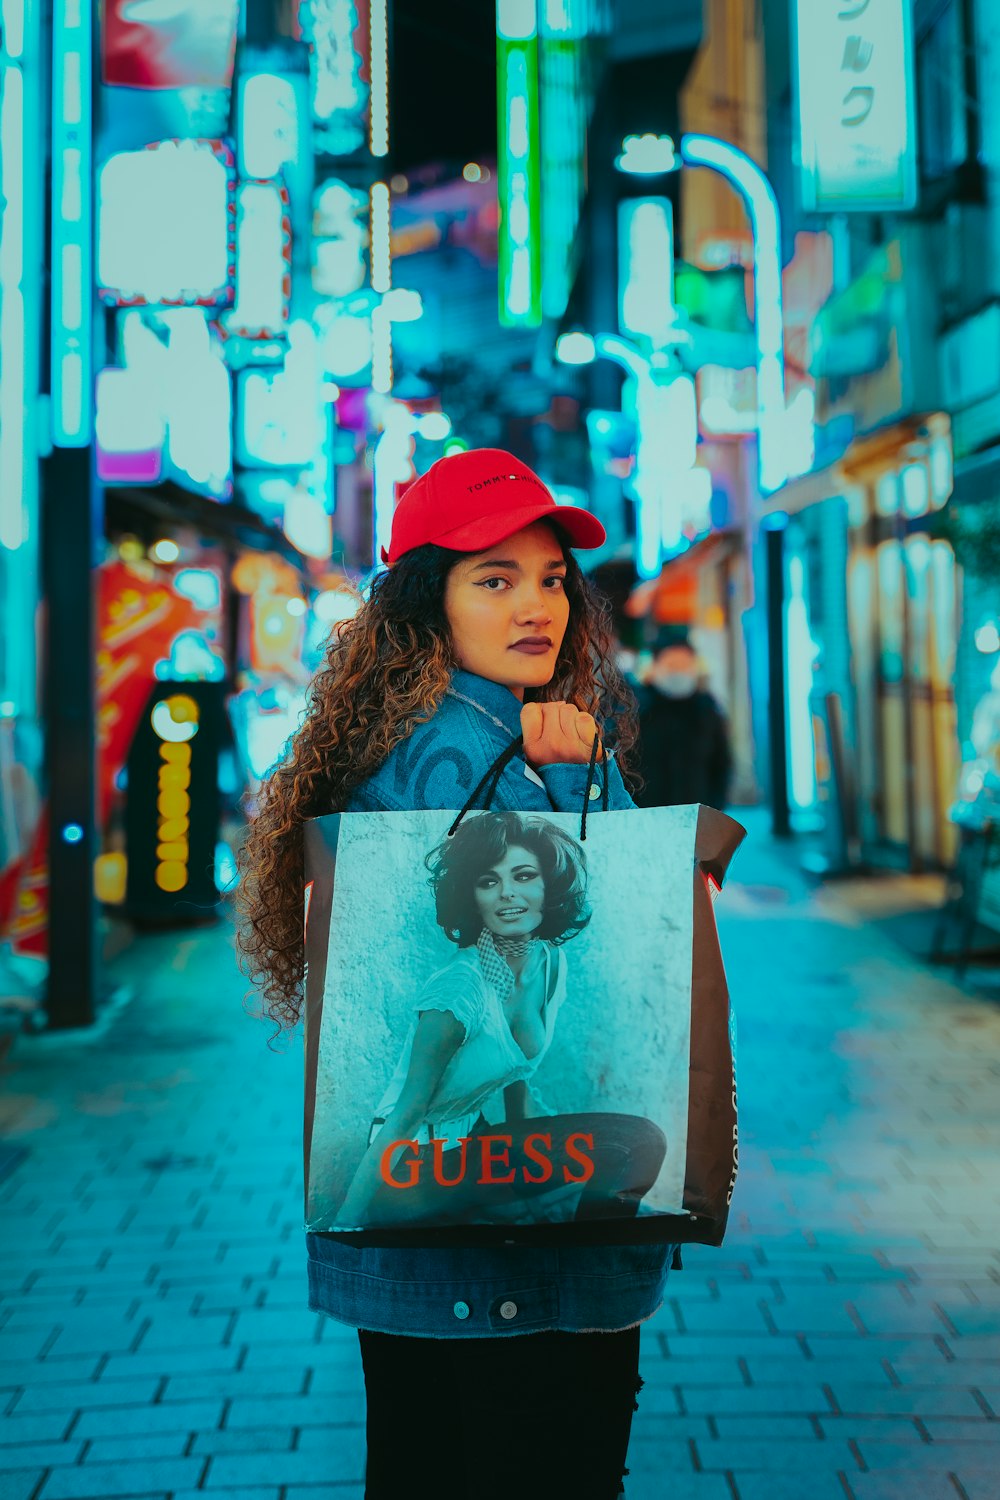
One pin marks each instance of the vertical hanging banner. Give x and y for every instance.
(72, 224)
(855, 90)
(518, 165)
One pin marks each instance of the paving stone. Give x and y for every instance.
(917, 1401)
(776, 1400)
(20, 1484)
(909, 1484)
(112, 1450)
(295, 1411)
(167, 1362)
(945, 1457)
(978, 1483)
(268, 1492)
(169, 1416)
(107, 1481)
(812, 1456)
(963, 1429)
(89, 1394)
(765, 1426)
(225, 1441)
(342, 1457)
(232, 1383)
(39, 1455)
(44, 1427)
(661, 1483)
(787, 1485)
(321, 1493)
(16, 1373)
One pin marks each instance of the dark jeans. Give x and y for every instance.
(538, 1416)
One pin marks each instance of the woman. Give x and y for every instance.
(481, 628)
(474, 1141)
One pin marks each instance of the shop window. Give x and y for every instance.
(945, 77)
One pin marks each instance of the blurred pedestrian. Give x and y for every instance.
(684, 753)
(491, 1369)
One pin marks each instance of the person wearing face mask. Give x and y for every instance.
(684, 753)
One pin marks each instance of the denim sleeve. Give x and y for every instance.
(567, 787)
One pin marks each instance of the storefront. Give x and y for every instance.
(872, 621)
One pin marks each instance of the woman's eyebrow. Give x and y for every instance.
(509, 562)
(534, 868)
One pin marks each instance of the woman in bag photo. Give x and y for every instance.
(481, 629)
(461, 1134)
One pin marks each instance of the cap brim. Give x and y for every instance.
(581, 528)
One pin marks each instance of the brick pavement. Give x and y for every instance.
(845, 1342)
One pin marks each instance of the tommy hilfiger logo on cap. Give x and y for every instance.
(503, 478)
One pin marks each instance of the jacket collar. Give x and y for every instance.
(493, 700)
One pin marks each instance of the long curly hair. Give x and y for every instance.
(385, 672)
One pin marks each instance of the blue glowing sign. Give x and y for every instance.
(646, 268)
(518, 166)
(166, 225)
(72, 261)
(854, 79)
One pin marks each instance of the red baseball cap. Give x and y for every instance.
(468, 501)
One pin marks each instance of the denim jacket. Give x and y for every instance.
(495, 1290)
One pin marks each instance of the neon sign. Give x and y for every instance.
(854, 78)
(645, 268)
(339, 39)
(175, 723)
(263, 262)
(166, 225)
(72, 335)
(518, 157)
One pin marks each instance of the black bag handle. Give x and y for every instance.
(491, 781)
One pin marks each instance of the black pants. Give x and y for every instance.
(538, 1416)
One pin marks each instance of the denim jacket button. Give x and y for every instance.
(461, 1310)
(508, 1310)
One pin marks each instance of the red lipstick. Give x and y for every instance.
(533, 645)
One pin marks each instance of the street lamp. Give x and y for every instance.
(762, 207)
(650, 155)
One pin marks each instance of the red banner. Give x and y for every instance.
(169, 44)
(138, 618)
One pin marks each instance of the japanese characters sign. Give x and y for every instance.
(855, 104)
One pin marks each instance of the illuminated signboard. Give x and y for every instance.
(646, 268)
(518, 165)
(172, 811)
(166, 225)
(72, 338)
(269, 125)
(130, 429)
(263, 262)
(564, 103)
(339, 38)
(18, 308)
(182, 44)
(172, 385)
(339, 239)
(279, 414)
(856, 105)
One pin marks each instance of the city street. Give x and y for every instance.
(844, 1344)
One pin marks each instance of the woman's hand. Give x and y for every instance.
(557, 734)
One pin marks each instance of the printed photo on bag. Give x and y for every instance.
(505, 1016)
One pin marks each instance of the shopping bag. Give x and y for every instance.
(515, 1034)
